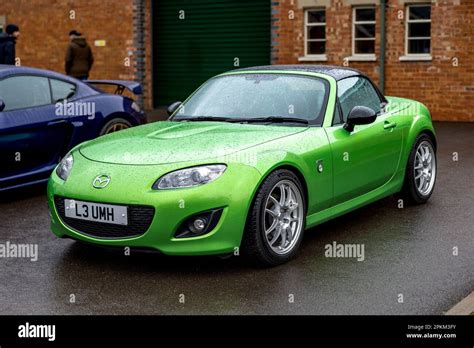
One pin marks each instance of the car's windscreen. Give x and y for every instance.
(250, 96)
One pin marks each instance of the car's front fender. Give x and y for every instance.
(420, 123)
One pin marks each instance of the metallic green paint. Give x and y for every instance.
(358, 168)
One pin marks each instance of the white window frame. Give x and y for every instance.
(407, 25)
(313, 57)
(354, 23)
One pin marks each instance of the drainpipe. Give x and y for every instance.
(382, 46)
(139, 44)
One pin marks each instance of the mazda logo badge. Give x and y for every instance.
(101, 181)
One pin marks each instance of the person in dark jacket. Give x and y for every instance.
(7, 44)
(79, 58)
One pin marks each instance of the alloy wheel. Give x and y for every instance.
(425, 168)
(116, 127)
(283, 217)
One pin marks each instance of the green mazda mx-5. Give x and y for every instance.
(249, 161)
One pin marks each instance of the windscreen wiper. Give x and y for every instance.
(268, 119)
(272, 119)
(202, 118)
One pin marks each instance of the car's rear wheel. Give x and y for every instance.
(420, 175)
(276, 221)
(115, 125)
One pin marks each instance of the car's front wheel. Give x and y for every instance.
(276, 221)
(420, 175)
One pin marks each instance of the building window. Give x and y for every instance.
(363, 30)
(315, 32)
(418, 30)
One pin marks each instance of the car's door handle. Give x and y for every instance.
(389, 125)
(52, 123)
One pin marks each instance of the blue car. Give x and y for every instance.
(43, 114)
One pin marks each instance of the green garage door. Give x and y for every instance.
(194, 40)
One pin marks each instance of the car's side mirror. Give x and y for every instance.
(173, 107)
(2, 105)
(359, 115)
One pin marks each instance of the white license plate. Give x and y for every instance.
(111, 214)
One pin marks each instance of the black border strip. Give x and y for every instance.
(221, 330)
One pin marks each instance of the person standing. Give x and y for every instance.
(79, 58)
(7, 44)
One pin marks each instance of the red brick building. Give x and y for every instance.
(428, 49)
(173, 46)
(45, 25)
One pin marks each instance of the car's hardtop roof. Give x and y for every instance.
(6, 70)
(334, 71)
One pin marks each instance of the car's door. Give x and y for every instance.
(367, 157)
(32, 133)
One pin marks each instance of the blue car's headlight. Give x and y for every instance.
(136, 107)
(190, 177)
(64, 167)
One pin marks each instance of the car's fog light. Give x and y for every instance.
(199, 224)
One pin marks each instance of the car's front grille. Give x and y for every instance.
(139, 220)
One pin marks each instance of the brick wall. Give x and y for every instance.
(45, 25)
(447, 90)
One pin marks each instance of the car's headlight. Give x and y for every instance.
(136, 107)
(189, 177)
(65, 166)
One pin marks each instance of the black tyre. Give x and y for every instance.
(115, 125)
(420, 175)
(276, 220)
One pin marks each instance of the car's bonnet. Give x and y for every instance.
(169, 142)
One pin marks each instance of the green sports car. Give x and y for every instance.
(249, 161)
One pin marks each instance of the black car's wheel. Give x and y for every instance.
(276, 220)
(115, 125)
(420, 175)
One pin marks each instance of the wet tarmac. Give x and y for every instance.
(410, 253)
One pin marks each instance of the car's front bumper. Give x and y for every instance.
(131, 185)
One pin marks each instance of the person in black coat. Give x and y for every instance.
(7, 44)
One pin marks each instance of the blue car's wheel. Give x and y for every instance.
(115, 125)
(276, 220)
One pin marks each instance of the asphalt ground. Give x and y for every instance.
(410, 267)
